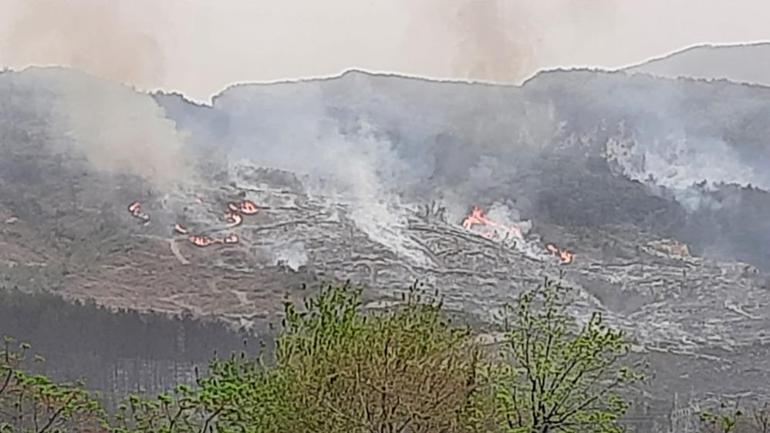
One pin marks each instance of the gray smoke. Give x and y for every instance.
(675, 154)
(94, 36)
(116, 129)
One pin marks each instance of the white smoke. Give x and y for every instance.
(509, 221)
(509, 217)
(356, 168)
(679, 163)
(293, 255)
(117, 129)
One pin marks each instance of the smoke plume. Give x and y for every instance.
(116, 129)
(90, 35)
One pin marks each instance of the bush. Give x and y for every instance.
(337, 368)
(33, 403)
(553, 375)
(407, 370)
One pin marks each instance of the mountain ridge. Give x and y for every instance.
(747, 63)
(371, 178)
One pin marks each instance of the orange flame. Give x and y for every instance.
(233, 216)
(233, 219)
(135, 209)
(566, 256)
(477, 217)
(231, 238)
(248, 207)
(201, 241)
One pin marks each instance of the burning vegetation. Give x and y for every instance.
(566, 256)
(233, 217)
(480, 223)
(245, 207)
(135, 209)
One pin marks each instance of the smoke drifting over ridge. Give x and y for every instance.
(505, 41)
(568, 148)
(95, 36)
(199, 47)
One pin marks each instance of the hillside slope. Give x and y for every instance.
(372, 178)
(749, 63)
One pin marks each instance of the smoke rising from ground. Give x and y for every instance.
(382, 145)
(492, 47)
(548, 150)
(116, 129)
(679, 164)
(505, 41)
(357, 168)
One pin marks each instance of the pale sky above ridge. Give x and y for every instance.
(199, 47)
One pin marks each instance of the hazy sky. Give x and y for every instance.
(201, 46)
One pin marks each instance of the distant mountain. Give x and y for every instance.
(749, 63)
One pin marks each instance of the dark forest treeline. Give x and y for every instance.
(339, 368)
(115, 351)
(336, 367)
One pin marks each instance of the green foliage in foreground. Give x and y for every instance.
(733, 418)
(339, 369)
(556, 375)
(33, 403)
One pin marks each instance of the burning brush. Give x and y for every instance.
(478, 222)
(135, 209)
(233, 218)
(488, 228)
(246, 207)
(202, 241)
(207, 241)
(566, 256)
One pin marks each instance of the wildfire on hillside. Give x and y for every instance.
(207, 241)
(488, 228)
(233, 217)
(566, 256)
(202, 241)
(246, 207)
(478, 222)
(231, 238)
(135, 209)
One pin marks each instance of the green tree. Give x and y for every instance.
(34, 403)
(733, 417)
(238, 395)
(723, 420)
(403, 370)
(554, 375)
(337, 368)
